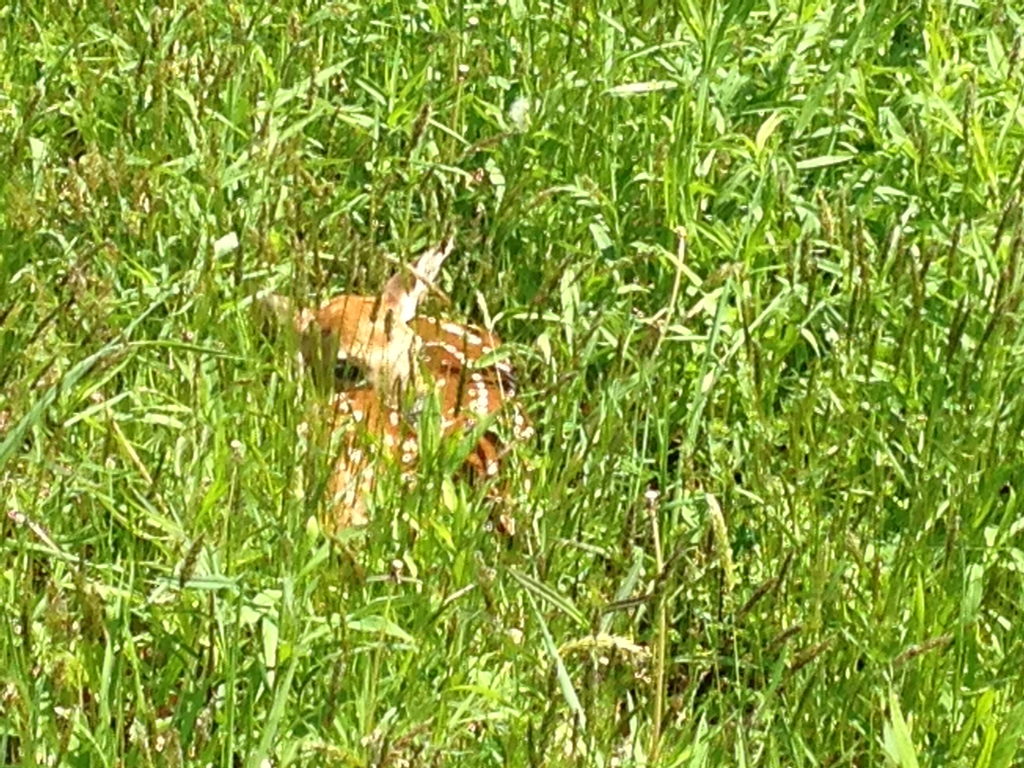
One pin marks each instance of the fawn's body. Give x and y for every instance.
(405, 358)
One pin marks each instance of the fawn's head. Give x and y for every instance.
(371, 333)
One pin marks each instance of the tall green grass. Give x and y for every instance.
(758, 265)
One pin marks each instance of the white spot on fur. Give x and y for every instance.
(520, 427)
(454, 352)
(462, 332)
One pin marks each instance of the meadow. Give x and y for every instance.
(758, 264)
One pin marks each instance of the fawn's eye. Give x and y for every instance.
(348, 375)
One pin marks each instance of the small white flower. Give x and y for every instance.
(519, 113)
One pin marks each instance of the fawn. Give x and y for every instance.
(405, 358)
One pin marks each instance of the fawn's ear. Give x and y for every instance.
(282, 321)
(404, 291)
(278, 312)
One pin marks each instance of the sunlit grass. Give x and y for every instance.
(758, 267)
